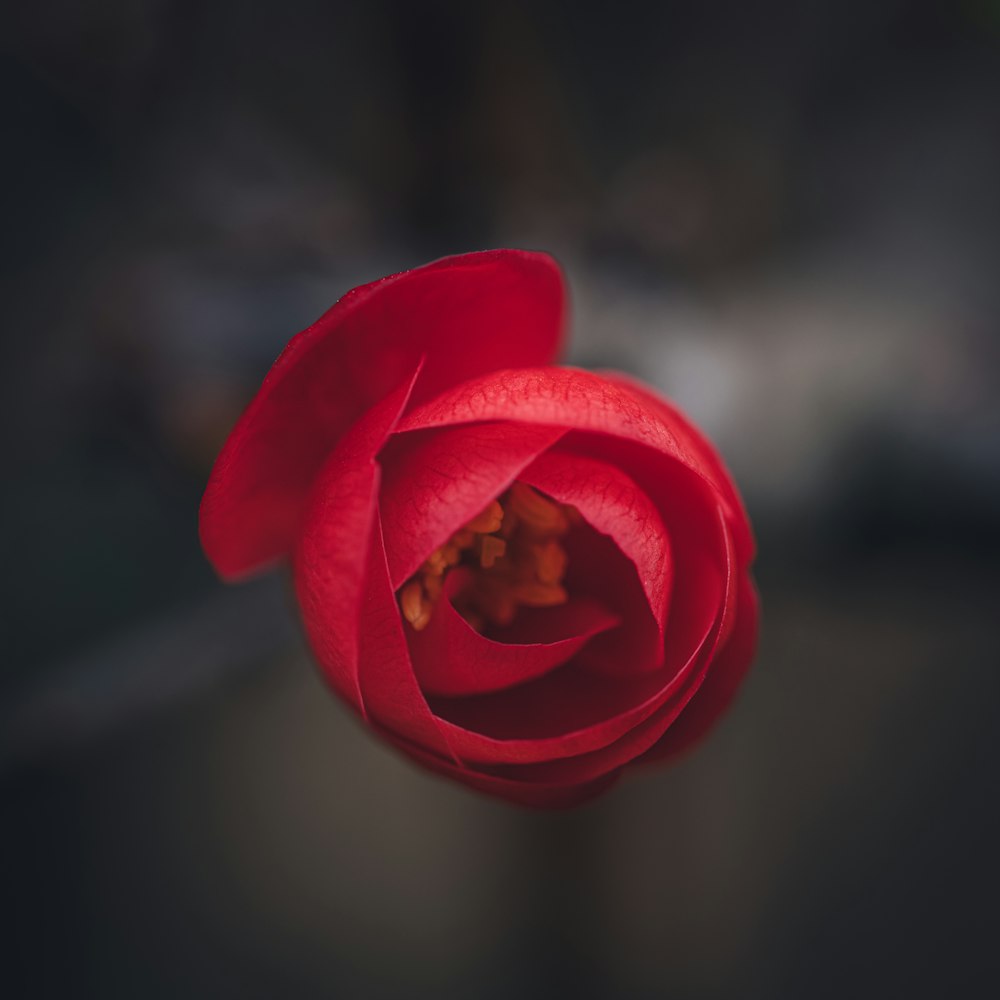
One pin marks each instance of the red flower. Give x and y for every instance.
(523, 576)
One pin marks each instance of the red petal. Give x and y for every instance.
(713, 697)
(466, 315)
(690, 507)
(567, 712)
(708, 456)
(452, 658)
(590, 766)
(389, 689)
(598, 568)
(615, 506)
(540, 795)
(333, 550)
(570, 398)
(575, 779)
(437, 481)
(720, 670)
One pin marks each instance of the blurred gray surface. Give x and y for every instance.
(258, 841)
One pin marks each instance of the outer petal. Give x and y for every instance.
(541, 794)
(725, 675)
(388, 685)
(466, 315)
(332, 553)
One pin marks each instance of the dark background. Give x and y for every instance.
(786, 218)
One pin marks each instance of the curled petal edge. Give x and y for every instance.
(466, 315)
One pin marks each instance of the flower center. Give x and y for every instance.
(515, 557)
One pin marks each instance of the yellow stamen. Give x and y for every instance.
(488, 521)
(415, 610)
(464, 539)
(538, 514)
(491, 549)
(551, 562)
(432, 586)
(509, 525)
(435, 563)
(516, 559)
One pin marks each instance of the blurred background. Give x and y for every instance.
(787, 220)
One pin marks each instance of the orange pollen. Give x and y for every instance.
(515, 556)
